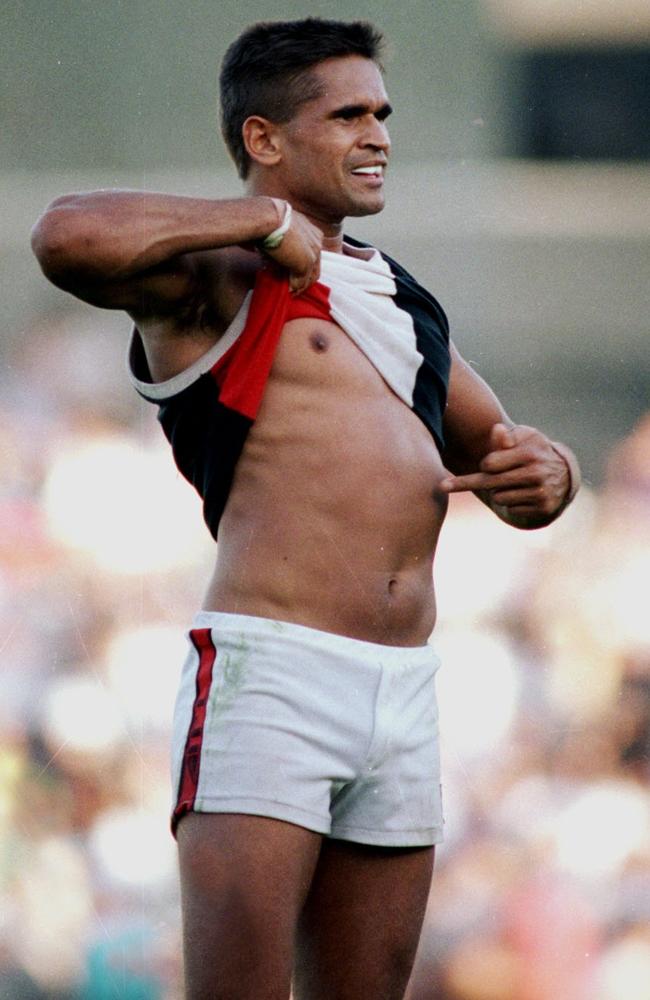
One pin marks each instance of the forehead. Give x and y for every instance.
(347, 80)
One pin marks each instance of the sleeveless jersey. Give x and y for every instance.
(207, 410)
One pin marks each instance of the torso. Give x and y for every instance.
(334, 513)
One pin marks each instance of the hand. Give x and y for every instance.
(299, 252)
(522, 473)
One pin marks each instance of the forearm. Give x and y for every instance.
(115, 235)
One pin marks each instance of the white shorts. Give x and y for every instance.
(334, 734)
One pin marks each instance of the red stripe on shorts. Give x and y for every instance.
(191, 766)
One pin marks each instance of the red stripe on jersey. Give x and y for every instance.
(191, 765)
(242, 372)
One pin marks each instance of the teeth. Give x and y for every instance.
(368, 170)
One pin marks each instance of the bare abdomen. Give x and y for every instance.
(334, 514)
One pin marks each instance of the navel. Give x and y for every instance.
(318, 341)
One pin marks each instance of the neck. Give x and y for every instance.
(333, 243)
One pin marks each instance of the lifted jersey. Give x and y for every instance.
(207, 410)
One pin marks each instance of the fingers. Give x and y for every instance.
(525, 478)
(517, 478)
(512, 445)
(523, 469)
(501, 437)
(518, 497)
(299, 253)
(514, 457)
(300, 282)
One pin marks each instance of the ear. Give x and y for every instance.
(261, 139)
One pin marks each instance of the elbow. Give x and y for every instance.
(61, 240)
(47, 243)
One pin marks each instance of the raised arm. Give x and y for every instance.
(526, 479)
(142, 252)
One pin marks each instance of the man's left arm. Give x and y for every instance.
(526, 479)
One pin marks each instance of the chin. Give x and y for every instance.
(369, 206)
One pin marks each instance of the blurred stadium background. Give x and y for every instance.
(520, 194)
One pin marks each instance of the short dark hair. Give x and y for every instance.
(266, 71)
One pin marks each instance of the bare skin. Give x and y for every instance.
(316, 529)
(332, 520)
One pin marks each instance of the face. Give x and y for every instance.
(334, 151)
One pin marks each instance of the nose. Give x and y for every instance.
(376, 135)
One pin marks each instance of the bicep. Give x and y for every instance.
(471, 412)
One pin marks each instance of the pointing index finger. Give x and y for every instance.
(514, 478)
(461, 484)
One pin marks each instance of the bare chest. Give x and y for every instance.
(326, 403)
(318, 355)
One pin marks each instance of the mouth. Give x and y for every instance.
(371, 176)
(372, 170)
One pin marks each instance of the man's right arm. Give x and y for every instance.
(138, 250)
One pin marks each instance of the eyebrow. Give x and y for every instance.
(357, 110)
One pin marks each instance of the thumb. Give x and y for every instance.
(502, 437)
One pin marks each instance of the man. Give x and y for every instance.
(324, 422)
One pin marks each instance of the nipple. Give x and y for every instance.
(318, 341)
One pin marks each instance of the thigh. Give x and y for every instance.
(244, 880)
(360, 926)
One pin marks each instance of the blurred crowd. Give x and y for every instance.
(542, 887)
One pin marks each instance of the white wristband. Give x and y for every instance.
(274, 239)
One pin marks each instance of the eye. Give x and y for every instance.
(349, 114)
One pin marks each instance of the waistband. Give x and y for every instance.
(270, 628)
